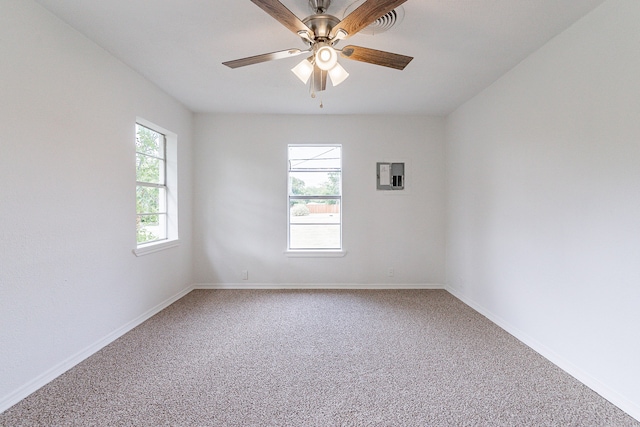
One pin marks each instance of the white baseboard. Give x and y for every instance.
(246, 285)
(628, 406)
(48, 376)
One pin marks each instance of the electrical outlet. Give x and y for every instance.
(390, 272)
(245, 274)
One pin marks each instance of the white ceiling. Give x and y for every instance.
(459, 48)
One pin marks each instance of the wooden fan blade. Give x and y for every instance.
(377, 57)
(319, 77)
(364, 15)
(263, 58)
(282, 15)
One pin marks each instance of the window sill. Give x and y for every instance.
(315, 254)
(155, 247)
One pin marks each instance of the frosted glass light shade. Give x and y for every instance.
(303, 70)
(326, 58)
(338, 74)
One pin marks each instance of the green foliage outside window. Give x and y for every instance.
(330, 187)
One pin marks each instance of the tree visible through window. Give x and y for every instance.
(151, 185)
(315, 196)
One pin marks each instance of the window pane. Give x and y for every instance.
(149, 142)
(319, 157)
(314, 236)
(314, 212)
(151, 228)
(314, 183)
(149, 169)
(150, 200)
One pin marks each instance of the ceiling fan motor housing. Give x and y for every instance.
(321, 25)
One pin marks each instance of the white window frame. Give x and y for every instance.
(313, 252)
(170, 185)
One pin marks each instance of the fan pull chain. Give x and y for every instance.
(312, 92)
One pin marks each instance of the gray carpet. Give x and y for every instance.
(316, 358)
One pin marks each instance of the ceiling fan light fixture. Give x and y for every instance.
(326, 58)
(303, 70)
(338, 74)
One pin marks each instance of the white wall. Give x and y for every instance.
(241, 199)
(68, 277)
(543, 187)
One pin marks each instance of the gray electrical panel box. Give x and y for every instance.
(390, 176)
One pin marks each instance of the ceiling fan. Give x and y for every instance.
(321, 32)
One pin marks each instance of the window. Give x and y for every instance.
(315, 197)
(156, 188)
(151, 185)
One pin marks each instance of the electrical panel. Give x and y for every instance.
(390, 176)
